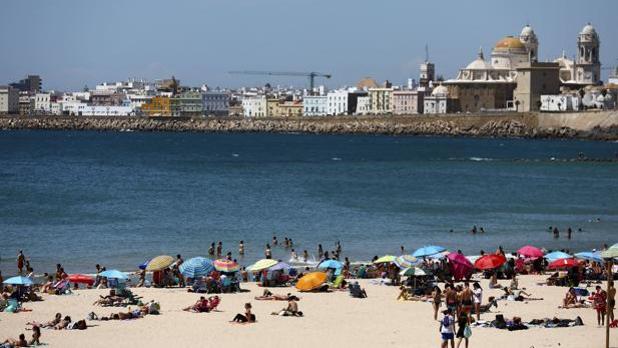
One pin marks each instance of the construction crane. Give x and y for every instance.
(310, 75)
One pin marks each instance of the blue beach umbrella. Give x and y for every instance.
(330, 264)
(556, 255)
(196, 267)
(589, 255)
(19, 280)
(428, 251)
(281, 266)
(143, 265)
(113, 274)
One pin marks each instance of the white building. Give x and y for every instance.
(559, 103)
(315, 105)
(56, 108)
(254, 106)
(337, 102)
(438, 102)
(9, 100)
(363, 106)
(42, 103)
(216, 103)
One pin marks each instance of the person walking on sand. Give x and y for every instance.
(611, 296)
(477, 293)
(463, 329)
(20, 261)
(599, 300)
(447, 329)
(436, 295)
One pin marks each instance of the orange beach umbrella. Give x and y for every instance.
(311, 281)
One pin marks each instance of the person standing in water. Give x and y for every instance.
(241, 248)
(211, 250)
(305, 256)
(569, 232)
(21, 259)
(320, 251)
(275, 241)
(268, 253)
(556, 233)
(219, 249)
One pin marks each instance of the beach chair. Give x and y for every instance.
(62, 287)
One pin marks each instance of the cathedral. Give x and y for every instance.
(490, 84)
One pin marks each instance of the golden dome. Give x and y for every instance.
(367, 82)
(510, 42)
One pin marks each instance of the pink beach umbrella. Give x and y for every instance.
(461, 267)
(530, 251)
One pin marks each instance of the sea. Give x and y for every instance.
(120, 198)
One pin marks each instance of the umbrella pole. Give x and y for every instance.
(609, 278)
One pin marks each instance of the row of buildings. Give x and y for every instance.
(512, 79)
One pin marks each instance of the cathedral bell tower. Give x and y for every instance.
(588, 65)
(529, 39)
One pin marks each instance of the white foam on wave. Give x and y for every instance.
(480, 159)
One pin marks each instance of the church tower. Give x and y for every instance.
(588, 64)
(428, 70)
(529, 39)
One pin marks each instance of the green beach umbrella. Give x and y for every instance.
(412, 271)
(385, 259)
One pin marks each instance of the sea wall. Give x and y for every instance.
(598, 125)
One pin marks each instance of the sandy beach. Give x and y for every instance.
(331, 319)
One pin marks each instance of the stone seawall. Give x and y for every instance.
(506, 125)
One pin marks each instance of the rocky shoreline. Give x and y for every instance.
(512, 125)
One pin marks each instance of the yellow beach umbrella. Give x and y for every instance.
(385, 259)
(159, 263)
(262, 264)
(311, 281)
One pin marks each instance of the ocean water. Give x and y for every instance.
(81, 198)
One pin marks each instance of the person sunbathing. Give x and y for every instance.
(290, 311)
(129, 314)
(57, 319)
(109, 300)
(484, 308)
(200, 306)
(356, 290)
(21, 342)
(248, 317)
(518, 295)
(570, 299)
(269, 296)
(63, 323)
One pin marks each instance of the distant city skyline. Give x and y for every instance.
(75, 43)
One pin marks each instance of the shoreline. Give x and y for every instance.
(599, 126)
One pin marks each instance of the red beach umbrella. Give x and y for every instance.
(563, 263)
(530, 251)
(490, 261)
(81, 278)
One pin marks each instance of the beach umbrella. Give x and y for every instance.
(227, 266)
(553, 256)
(385, 259)
(490, 261)
(280, 266)
(143, 265)
(196, 267)
(113, 274)
(610, 253)
(412, 271)
(438, 256)
(589, 255)
(459, 265)
(530, 251)
(311, 281)
(563, 263)
(160, 262)
(459, 259)
(428, 250)
(406, 261)
(19, 280)
(330, 264)
(262, 264)
(81, 279)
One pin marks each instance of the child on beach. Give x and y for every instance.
(447, 329)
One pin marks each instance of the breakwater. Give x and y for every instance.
(529, 125)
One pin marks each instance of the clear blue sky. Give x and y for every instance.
(71, 43)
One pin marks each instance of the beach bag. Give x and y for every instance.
(467, 331)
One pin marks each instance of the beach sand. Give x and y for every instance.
(331, 319)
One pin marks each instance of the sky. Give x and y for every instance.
(73, 43)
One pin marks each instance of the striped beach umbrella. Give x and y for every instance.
(406, 261)
(262, 265)
(412, 272)
(196, 267)
(227, 266)
(159, 263)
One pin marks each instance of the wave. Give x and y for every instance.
(480, 159)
